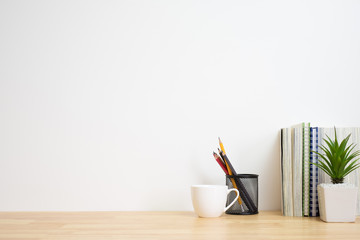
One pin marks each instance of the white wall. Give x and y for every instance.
(117, 105)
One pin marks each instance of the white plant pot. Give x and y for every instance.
(337, 202)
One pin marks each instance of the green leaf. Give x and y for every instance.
(352, 169)
(326, 170)
(349, 150)
(323, 157)
(348, 168)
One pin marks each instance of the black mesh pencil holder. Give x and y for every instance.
(247, 184)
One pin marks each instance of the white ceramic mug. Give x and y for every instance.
(210, 200)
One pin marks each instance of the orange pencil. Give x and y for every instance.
(222, 146)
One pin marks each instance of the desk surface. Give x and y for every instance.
(167, 225)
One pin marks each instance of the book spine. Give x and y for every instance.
(281, 169)
(302, 181)
(311, 213)
(306, 174)
(297, 171)
(287, 173)
(314, 204)
(316, 159)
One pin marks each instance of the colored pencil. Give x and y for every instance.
(221, 163)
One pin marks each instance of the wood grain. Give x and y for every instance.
(167, 225)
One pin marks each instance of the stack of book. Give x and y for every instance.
(299, 178)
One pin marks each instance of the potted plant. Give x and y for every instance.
(337, 201)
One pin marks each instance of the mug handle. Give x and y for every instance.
(232, 203)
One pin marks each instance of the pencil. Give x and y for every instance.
(221, 163)
(222, 146)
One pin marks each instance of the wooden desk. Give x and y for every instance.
(167, 225)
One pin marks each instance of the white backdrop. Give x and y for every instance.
(117, 105)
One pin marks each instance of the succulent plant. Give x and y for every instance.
(338, 160)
